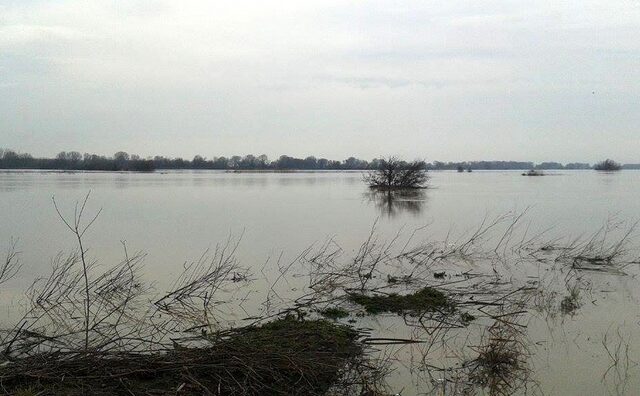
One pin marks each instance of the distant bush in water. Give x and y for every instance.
(607, 165)
(533, 172)
(392, 174)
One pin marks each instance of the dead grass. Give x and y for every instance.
(283, 357)
(501, 365)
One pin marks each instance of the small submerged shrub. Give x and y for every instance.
(466, 317)
(607, 165)
(393, 174)
(571, 302)
(569, 305)
(502, 363)
(424, 300)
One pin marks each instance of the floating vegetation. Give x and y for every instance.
(424, 300)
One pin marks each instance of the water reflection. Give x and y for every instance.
(394, 203)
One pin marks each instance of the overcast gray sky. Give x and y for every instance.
(447, 80)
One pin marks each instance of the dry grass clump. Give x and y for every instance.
(571, 302)
(283, 357)
(501, 365)
(603, 249)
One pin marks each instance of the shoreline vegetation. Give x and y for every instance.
(90, 332)
(122, 161)
(281, 357)
(110, 331)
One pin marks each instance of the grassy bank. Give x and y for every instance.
(283, 357)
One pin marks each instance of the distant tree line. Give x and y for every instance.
(122, 161)
(504, 165)
(73, 160)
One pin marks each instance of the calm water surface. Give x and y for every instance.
(175, 216)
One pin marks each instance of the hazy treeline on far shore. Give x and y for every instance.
(122, 161)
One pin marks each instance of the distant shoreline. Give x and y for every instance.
(125, 162)
(554, 172)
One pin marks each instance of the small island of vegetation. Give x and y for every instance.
(607, 165)
(533, 172)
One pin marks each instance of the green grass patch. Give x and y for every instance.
(424, 300)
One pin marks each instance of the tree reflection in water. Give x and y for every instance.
(394, 202)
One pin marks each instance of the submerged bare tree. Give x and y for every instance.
(392, 174)
(78, 229)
